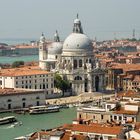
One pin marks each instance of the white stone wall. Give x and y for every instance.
(54, 138)
(50, 56)
(9, 82)
(45, 81)
(18, 100)
(133, 134)
(131, 107)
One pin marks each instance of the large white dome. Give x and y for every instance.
(77, 42)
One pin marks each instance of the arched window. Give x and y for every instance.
(9, 100)
(23, 104)
(37, 97)
(37, 103)
(23, 99)
(80, 63)
(43, 86)
(75, 64)
(89, 60)
(78, 78)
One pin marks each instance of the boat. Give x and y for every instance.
(71, 105)
(43, 109)
(20, 112)
(63, 106)
(21, 138)
(8, 119)
(17, 124)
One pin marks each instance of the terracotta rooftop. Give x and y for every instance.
(126, 67)
(129, 94)
(21, 72)
(25, 46)
(102, 129)
(75, 137)
(11, 91)
(65, 136)
(137, 78)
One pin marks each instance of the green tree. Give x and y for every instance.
(60, 83)
(17, 64)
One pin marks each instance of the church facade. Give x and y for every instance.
(74, 60)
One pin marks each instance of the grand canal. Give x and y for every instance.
(32, 123)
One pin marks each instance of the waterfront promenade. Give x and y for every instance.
(85, 97)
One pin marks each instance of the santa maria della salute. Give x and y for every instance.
(74, 60)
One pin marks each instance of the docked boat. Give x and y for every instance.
(6, 120)
(43, 109)
(63, 106)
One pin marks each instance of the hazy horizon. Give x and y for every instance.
(101, 19)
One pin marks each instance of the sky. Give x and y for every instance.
(103, 19)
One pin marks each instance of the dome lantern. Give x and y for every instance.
(77, 28)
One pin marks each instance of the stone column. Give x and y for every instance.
(73, 89)
(89, 82)
(102, 84)
(93, 83)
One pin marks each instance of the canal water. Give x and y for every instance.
(32, 123)
(15, 41)
(10, 60)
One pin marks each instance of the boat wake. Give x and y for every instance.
(8, 127)
(16, 124)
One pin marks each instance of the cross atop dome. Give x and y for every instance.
(77, 16)
(77, 28)
(56, 37)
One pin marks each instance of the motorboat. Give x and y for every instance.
(8, 119)
(43, 109)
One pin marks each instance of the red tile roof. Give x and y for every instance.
(102, 129)
(21, 72)
(126, 67)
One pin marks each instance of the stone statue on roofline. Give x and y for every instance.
(89, 67)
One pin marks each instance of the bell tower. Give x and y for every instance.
(42, 52)
(56, 37)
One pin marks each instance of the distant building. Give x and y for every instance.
(111, 112)
(123, 77)
(26, 49)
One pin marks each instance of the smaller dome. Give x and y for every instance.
(55, 48)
